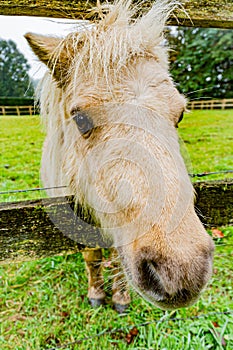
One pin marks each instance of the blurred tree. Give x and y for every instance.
(14, 78)
(202, 61)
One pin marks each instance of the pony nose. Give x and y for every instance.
(152, 284)
(174, 287)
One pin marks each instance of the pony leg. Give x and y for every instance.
(93, 261)
(120, 289)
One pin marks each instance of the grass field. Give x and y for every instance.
(43, 304)
(208, 140)
(21, 144)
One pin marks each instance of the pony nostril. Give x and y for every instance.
(149, 278)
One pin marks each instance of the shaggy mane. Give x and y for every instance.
(100, 51)
(116, 38)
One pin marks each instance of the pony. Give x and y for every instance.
(111, 110)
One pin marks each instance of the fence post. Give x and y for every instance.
(223, 103)
(18, 110)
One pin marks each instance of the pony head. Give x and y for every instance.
(111, 110)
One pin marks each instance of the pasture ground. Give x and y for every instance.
(43, 304)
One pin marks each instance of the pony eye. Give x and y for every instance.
(84, 123)
(180, 118)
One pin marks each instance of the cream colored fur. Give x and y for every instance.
(129, 171)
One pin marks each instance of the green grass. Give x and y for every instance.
(21, 144)
(207, 138)
(43, 303)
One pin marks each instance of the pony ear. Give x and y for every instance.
(52, 52)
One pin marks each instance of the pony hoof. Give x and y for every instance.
(96, 302)
(121, 309)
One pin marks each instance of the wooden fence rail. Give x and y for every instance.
(211, 104)
(27, 229)
(202, 13)
(200, 104)
(17, 110)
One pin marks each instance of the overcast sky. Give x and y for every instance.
(14, 27)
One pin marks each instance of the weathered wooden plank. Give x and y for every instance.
(202, 13)
(46, 227)
(41, 228)
(214, 202)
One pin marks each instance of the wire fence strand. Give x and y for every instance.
(211, 173)
(32, 189)
(62, 186)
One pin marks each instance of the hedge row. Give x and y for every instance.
(16, 101)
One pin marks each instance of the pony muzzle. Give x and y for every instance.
(170, 283)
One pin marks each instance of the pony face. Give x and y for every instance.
(112, 111)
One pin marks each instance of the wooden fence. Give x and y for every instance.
(17, 110)
(211, 104)
(202, 13)
(201, 104)
(46, 227)
(26, 231)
